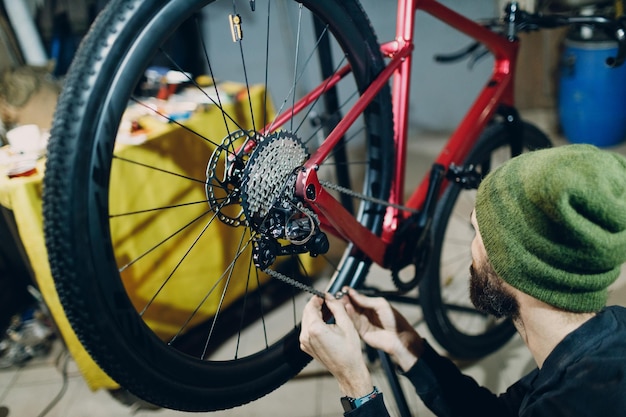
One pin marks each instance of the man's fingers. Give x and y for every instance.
(311, 322)
(364, 301)
(338, 310)
(313, 309)
(358, 321)
(311, 314)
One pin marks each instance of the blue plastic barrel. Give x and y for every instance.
(592, 96)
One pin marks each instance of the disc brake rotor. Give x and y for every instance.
(224, 175)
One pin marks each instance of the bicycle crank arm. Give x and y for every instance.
(341, 220)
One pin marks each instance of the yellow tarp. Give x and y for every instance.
(171, 148)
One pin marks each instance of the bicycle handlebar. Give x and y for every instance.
(519, 20)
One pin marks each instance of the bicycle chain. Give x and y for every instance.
(293, 282)
(354, 194)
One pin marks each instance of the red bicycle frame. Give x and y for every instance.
(497, 91)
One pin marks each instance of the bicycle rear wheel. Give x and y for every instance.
(444, 293)
(158, 242)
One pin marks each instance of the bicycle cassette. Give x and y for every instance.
(268, 179)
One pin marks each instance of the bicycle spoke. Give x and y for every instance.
(223, 295)
(316, 132)
(213, 80)
(225, 273)
(152, 167)
(297, 77)
(295, 64)
(318, 98)
(262, 312)
(267, 63)
(217, 104)
(160, 208)
(159, 244)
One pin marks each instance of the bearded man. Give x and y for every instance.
(550, 239)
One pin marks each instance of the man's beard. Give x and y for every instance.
(489, 295)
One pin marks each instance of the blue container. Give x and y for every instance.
(592, 96)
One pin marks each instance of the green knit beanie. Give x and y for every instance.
(553, 223)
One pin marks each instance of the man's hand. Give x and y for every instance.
(384, 328)
(337, 346)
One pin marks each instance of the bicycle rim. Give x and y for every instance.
(151, 243)
(452, 319)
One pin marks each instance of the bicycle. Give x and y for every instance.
(310, 187)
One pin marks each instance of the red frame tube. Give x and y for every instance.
(498, 90)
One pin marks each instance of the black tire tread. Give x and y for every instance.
(69, 268)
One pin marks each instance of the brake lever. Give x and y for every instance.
(476, 51)
(457, 56)
(477, 56)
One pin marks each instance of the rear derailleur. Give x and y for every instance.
(298, 230)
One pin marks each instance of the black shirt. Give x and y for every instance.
(585, 375)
